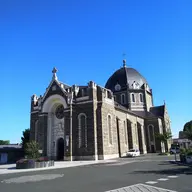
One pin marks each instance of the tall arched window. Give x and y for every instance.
(141, 97)
(82, 130)
(133, 97)
(122, 98)
(151, 133)
(109, 124)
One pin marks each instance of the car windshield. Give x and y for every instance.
(132, 150)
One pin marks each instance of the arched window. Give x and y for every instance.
(36, 131)
(125, 132)
(122, 98)
(109, 124)
(133, 97)
(141, 97)
(82, 130)
(151, 133)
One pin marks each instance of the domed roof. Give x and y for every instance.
(124, 77)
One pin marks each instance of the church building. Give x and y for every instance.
(92, 122)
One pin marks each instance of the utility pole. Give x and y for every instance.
(175, 153)
(74, 90)
(71, 127)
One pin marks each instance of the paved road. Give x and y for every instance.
(149, 173)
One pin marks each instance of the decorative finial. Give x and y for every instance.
(164, 102)
(124, 60)
(54, 71)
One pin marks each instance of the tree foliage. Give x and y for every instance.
(4, 142)
(188, 130)
(163, 137)
(25, 138)
(32, 150)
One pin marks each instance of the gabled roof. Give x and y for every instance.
(59, 84)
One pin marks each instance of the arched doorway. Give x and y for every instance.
(60, 149)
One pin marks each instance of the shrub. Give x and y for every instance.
(186, 152)
(32, 150)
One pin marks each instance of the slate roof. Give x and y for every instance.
(153, 112)
(125, 76)
(11, 146)
(158, 111)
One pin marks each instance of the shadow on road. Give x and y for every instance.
(173, 170)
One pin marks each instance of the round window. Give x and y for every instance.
(59, 113)
(117, 87)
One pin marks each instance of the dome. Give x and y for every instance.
(124, 77)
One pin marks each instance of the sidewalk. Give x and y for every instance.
(11, 168)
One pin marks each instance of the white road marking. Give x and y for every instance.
(173, 176)
(151, 182)
(162, 179)
(140, 188)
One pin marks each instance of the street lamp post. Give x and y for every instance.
(75, 91)
(71, 127)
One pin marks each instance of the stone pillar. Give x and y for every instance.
(134, 135)
(49, 135)
(144, 150)
(95, 129)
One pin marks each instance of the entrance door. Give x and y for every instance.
(60, 149)
(3, 158)
(152, 149)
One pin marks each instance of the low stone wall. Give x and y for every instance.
(33, 164)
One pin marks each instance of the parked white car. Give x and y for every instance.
(173, 150)
(133, 153)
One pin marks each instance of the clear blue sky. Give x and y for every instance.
(85, 40)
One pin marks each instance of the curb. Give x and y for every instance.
(6, 170)
(180, 163)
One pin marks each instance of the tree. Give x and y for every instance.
(163, 137)
(4, 142)
(188, 130)
(32, 150)
(26, 137)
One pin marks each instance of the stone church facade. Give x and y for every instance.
(93, 122)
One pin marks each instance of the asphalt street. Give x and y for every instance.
(147, 173)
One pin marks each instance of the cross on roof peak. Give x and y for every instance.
(54, 71)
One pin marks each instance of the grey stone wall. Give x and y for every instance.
(109, 149)
(42, 133)
(33, 118)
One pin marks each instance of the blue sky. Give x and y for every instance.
(85, 40)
